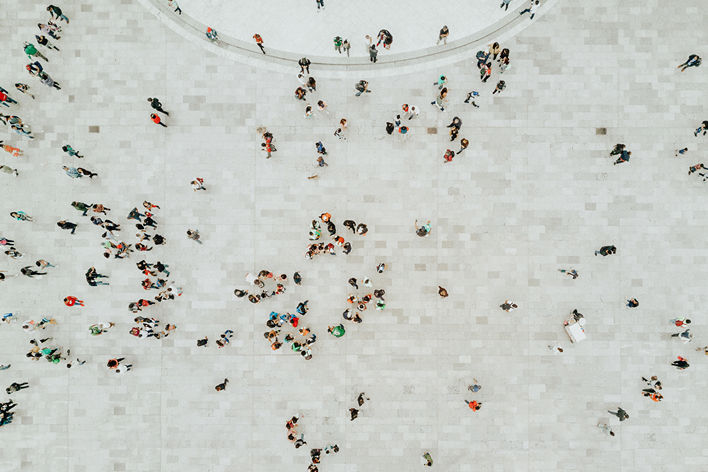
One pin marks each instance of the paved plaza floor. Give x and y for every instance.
(535, 192)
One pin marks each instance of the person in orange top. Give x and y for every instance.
(156, 119)
(259, 41)
(325, 217)
(16, 152)
(71, 301)
(474, 405)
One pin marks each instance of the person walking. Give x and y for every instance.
(442, 35)
(473, 95)
(31, 51)
(441, 99)
(24, 88)
(501, 85)
(620, 413)
(71, 301)
(320, 4)
(67, 225)
(71, 151)
(531, 9)
(5, 98)
(463, 145)
(693, 61)
(221, 386)
(193, 234)
(346, 46)
(624, 157)
(56, 13)
(16, 387)
(156, 119)
(680, 363)
(43, 41)
(505, 4)
(259, 41)
(156, 105)
(338, 44)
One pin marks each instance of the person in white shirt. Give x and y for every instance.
(531, 9)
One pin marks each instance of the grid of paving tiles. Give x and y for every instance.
(535, 192)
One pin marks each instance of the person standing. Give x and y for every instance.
(156, 119)
(338, 44)
(259, 42)
(222, 385)
(304, 64)
(373, 53)
(606, 251)
(320, 4)
(442, 36)
(362, 87)
(156, 105)
(346, 46)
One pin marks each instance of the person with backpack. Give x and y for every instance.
(693, 60)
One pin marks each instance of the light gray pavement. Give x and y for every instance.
(535, 192)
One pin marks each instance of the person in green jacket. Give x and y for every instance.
(338, 44)
(30, 50)
(336, 331)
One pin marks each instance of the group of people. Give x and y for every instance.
(299, 339)
(267, 283)
(315, 234)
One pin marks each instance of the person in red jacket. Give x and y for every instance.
(71, 301)
(259, 41)
(156, 119)
(474, 405)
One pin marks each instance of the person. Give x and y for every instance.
(427, 459)
(442, 292)
(221, 386)
(346, 46)
(211, 34)
(194, 235)
(605, 428)
(624, 157)
(474, 405)
(157, 120)
(681, 363)
(505, 3)
(472, 96)
(320, 4)
(441, 99)
(259, 42)
(373, 53)
(474, 388)
(620, 413)
(71, 151)
(31, 50)
(442, 36)
(336, 331)
(449, 155)
(156, 105)
(501, 85)
(304, 64)
(684, 336)
(338, 44)
(423, 230)
(67, 225)
(632, 303)
(531, 9)
(508, 306)
(361, 87)
(606, 251)
(693, 61)
(24, 88)
(56, 13)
